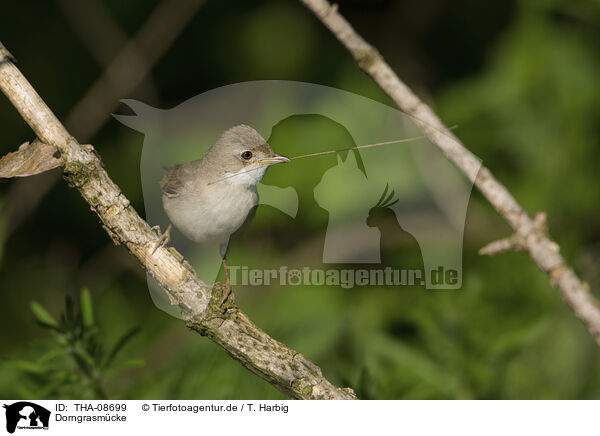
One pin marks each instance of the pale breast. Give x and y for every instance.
(211, 214)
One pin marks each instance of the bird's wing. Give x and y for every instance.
(179, 177)
(172, 182)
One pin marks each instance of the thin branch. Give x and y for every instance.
(287, 370)
(103, 38)
(123, 72)
(131, 65)
(541, 248)
(515, 242)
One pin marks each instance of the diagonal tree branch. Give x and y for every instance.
(287, 370)
(123, 72)
(532, 237)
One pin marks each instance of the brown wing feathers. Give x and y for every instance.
(171, 183)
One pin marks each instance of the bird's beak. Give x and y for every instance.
(274, 159)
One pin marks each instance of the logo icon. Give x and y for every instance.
(26, 415)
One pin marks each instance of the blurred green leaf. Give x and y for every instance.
(26, 366)
(133, 363)
(87, 309)
(69, 314)
(42, 315)
(120, 344)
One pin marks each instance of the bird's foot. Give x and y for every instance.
(163, 238)
(228, 293)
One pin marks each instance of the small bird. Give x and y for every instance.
(209, 199)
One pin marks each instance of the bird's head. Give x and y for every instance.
(243, 155)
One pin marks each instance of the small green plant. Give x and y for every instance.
(74, 362)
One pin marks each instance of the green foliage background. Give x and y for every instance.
(520, 78)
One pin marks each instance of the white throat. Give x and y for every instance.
(248, 176)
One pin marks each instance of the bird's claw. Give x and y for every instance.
(228, 293)
(227, 285)
(163, 238)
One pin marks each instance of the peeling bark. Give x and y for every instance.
(30, 159)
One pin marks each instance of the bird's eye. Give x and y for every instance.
(246, 155)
